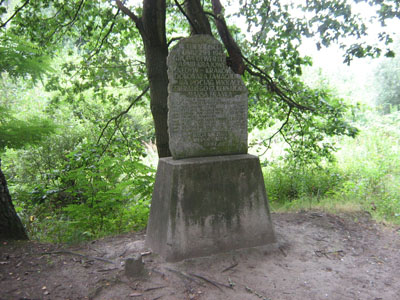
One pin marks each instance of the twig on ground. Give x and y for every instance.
(230, 267)
(106, 270)
(321, 253)
(155, 288)
(283, 251)
(183, 274)
(214, 283)
(159, 272)
(320, 239)
(78, 254)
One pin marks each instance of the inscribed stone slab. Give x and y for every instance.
(207, 101)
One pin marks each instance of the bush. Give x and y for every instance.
(69, 188)
(365, 176)
(285, 184)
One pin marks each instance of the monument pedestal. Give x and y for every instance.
(205, 205)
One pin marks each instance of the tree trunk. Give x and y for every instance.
(11, 227)
(152, 29)
(156, 50)
(198, 20)
(235, 54)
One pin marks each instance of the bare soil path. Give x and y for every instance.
(318, 256)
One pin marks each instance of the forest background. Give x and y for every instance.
(77, 140)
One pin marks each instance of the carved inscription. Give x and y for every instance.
(200, 71)
(207, 101)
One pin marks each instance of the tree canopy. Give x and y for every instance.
(20, 59)
(116, 44)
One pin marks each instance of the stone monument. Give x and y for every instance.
(209, 196)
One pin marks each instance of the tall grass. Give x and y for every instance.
(365, 177)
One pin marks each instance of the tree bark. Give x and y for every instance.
(11, 227)
(198, 20)
(156, 51)
(151, 26)
(235, 54)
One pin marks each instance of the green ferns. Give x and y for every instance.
(16, 133)
(19, 57)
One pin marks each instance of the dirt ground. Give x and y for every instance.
(317, 256)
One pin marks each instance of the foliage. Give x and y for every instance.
(387, 79)
(16, 133)
(80, 193)
(102, 185)
(98, 36)
(365, 176)
(73, 186)
(372, 164)
(70, 185)
(20, 58)
(286, 183)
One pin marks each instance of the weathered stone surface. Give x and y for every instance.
(202, 206)
(207, 102)
(134, 267)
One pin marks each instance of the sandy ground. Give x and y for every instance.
(318, 256)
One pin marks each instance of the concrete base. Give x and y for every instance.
(202, 206)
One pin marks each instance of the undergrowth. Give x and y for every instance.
(365, 176)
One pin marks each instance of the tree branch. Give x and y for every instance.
(278, 131)
(115, 118)
(104, 37)
(235, 54)
(264, 23)
(76, 15)
(196, 31)
(73, 20)
(237, 58)
(273, 87)
(130, 14)
(110, 139)
(125, 138)
(15, 13)
(173, 40)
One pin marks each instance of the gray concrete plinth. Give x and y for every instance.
(202, 206)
